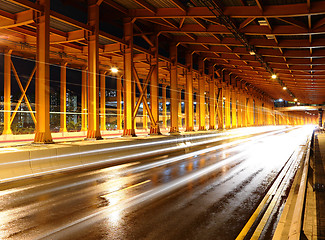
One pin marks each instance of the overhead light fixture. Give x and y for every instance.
(295, 99)
(273, 76)
(114, 70)
(252, 53)
(284, 88)
(298, 103)
(280, 100)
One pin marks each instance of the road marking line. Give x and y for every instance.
(123, 189)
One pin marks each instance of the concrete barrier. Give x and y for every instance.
(46, 159)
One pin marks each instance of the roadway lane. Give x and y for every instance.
(207, 193)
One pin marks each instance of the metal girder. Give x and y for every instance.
(248, 30)
(288, 10)
(18, 19)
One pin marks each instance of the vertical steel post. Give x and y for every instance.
(84, 106)
(42, 93)
(212, 101)
(128, 80)
(234, 107)
(173, 90)
(220, 107)
(239, 109)
(103, 101)
(164, 106)
(119, 112)
(144, 118)
(7, 93)
(189, 111)
(154, 93)
(227, 95)
(93, 71)
(201, 94)
(180, 115)
(63, 97)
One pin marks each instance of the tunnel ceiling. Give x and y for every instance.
(285, 37)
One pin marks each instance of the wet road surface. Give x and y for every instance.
(207, 193)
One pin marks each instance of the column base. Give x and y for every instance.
(155, 130)
(7, 132)
(189, 129)
(212, 127)
(43, 137)
(63, 130)
(173, 130)
(129, 133)
(202, 128)
(93, 135)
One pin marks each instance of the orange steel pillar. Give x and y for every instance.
(128, 80)
(201, 95)
(145, 118)
(84, 109)
(239, 109)
(164, 106)
(103, 101)
(119, 102)
(212, 100)
(173, 90)
(93, 70)
(234, 108)
(63, 97)
(154, 93)
(7, 93)
(42, 93)
(220, 107)
(227, 95)
(189, 106)
(180, 116)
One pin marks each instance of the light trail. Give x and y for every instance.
(135, 156)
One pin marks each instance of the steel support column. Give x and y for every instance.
(103, 101)
(189, 111)
(234, 108)
(164, 106)
(84, 105)
(42, 93)
(227, 95)
(119, 113)
(173, 90)
(144, 118)
(201, 97)
(7, 93)
(128, 80)
(93, 71)
(220, 107)
(239, 109)
(63, 97)
(180, 116)
(212, 100)
(320, 117)
(154, 93)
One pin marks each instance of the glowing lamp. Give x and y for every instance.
(114, 70)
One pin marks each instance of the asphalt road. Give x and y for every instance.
(207, 193)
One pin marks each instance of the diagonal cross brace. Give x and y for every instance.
(143, 90)
(23, 95)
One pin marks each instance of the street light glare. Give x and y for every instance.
(114, 70)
